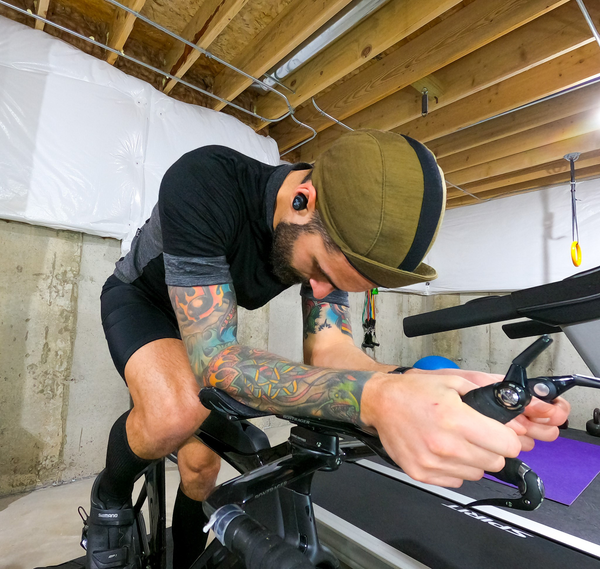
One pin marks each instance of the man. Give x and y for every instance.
(227, 230)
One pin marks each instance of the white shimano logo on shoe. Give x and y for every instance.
(108, 515)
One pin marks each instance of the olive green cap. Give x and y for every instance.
(381, 196)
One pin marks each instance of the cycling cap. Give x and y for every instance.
(382, 197)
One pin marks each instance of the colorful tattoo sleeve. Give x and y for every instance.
(207, 319)
(319, 316)
(267, 382)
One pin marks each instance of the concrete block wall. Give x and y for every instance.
(59, 392)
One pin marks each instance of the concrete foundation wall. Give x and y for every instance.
(59, 392)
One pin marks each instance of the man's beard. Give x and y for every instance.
(284, 239)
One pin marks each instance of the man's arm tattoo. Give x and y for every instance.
(207, 318)
(267, 382)
(321, 315)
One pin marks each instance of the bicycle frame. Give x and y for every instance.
(274, 486)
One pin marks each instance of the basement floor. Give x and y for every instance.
(42, 528)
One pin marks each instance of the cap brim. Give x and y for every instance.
(385, 276)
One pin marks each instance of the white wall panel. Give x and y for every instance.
(84, 146)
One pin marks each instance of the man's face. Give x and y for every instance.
(302, 254)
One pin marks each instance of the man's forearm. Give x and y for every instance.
(347, 356)
(270, 383)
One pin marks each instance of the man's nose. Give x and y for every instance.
(321, 289)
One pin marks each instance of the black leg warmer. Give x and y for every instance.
(122, 467)
(189, 540)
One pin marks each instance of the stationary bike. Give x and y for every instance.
(265, 519)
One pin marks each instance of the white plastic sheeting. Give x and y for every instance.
(515, 242)
(84, 146)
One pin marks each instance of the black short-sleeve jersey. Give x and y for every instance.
(213, 224)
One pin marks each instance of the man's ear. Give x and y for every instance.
(310, 193)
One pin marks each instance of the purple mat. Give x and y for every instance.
(566, 466)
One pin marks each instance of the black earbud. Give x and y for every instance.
(300, 202)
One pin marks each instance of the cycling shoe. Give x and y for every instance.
(111, 536)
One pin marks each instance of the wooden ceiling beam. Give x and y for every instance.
(561, 73)
(540, 155)
(41, 9)
(207, 23)
(534, 44)
(583, 173)
(557, 108)
(298, 21)
(121, 27)
(381, 30)
(562, 129)
(540, 171)
(465, 31)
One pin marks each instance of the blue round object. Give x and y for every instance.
(435, 362)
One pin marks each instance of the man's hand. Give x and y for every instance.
(540, 421)
(431, 433)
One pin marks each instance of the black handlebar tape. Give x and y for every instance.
(484, 401)
(474, 313)
(510, 473)
(258, 548)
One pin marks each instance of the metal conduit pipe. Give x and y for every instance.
(168, 75)
(205, 53)
(343, 21)
(589, 20)
(537, 101)
(371, 5)
(143, 64)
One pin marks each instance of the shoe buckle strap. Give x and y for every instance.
(111, 557)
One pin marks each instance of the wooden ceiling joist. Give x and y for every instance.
(557, 108)
(534, 173)
(121, 27)
(536, 43)
(555, 131)
(583, 173)
(464, 32)
(208, 22)
(549, 152)
(561, 73)
(41, 9)
(298, 21)
(391, 23)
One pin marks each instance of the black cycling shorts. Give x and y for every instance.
(132, 318)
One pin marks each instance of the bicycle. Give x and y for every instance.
(264, 518)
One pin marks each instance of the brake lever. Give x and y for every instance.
(550, 387)
(529, 484)
(506, 400)
(503, 402)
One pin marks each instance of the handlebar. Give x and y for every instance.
(256, 546)
(479, 311)
(574, 299)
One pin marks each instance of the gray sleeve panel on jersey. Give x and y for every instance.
(335, 297)
(146, 245)
(196, 271)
